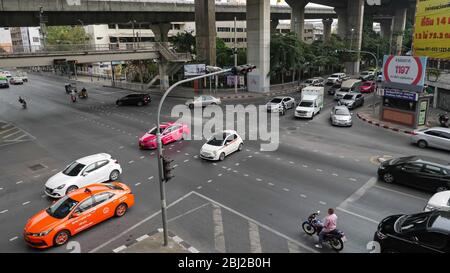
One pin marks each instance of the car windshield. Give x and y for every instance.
(341, 112)
(309, 81)
(3, 81)
(153, 130)
(73, 169)
(62, 207)
(348, 97)
(217, 140)
(276, 100)
(409, 223)
(366, 84)
(306, 103)
(364, 73)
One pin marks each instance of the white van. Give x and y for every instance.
(347, 86)
(311, 102)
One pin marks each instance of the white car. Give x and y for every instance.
(439, 201)
(221, 145)
(333, 78)
(436, 137)
(16, 80)
(82, 172)
(276, 104)
(202, 101)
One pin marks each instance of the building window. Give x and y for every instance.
(223, 29)
(176, 26)
(399, 104)
(112, 26)
(227, 40)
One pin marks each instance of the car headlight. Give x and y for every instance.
(429, 208)
(382, 167)
(61, 187)
(40, 234)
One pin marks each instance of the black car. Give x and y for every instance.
(415, 233)
(134, 99)
(417, 171)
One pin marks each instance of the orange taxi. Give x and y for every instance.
(77, 211)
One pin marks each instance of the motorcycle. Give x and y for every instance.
(83, 95)
(313, 225)
(443, 120)
(73, 98)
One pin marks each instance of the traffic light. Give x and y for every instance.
(242, 69)
(167, 168)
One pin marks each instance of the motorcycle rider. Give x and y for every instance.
(73, 95)
(443, 119)
(329, 225)
(23, 102)
(83, 92)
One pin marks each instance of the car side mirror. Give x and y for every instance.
(84, 174)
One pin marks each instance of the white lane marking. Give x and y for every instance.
(199, 187)
(271, 184)
(352, 179)
(10, 129)
(250, 156)
(143, 237)
(341, 156)
(223, 167)
(247, 150)
(186, 154)
(219, 174)
(358, 215)
(293, 248)
(255, 242)
(131, 162)
(137, 184)
(335, 174)
(150, 178)
(305, 166)
(258, 179)
(120, 248)
(186, 160)
(195, 156)
(138, 224)
(178, 151)
(176, 165)
(19, 182)
(121, 147)
(187, 212)
(215, 164)
(3, 211)
(285, 189)
(36, 176)
(245, 174)
(291, 162)
(401, 193)
(219, 238)
(257, 223)
(26, 203)
(302, 196)
(152, 153)
(235, 171)
(315, 151)
(54, 170)
(1, 189)
(237, 164)
(322, 203)
(13, 238)
(358, 193)
(319, 170)
(142, 157)
(209, 181)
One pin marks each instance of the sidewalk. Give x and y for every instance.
(181, 91)
(153, 243)
(366, 114)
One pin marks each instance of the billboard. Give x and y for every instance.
(191, 70)
(404, 72)
(432, 29)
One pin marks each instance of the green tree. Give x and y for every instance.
(184, 42)
(60, 35)
(324, 57)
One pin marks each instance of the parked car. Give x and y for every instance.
(276, 104)
(425, 232)
(436, 137)
(439, 201)
(6, 74)
(347, 86)
(367, 75)
(170, 132)
(16, 80)
(91, 169)
(78, 211)
(23, 75)
(420, 172)
(333, 78)
(221, 145)
(202, 101)
(367, 87)
(340, 116)
(134, 99)
(4, 82)
(352, 100)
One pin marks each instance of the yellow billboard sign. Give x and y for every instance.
(432, 29)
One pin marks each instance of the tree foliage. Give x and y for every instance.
(57, 35)
(184, 42)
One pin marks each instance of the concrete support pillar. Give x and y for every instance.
(273, 25)
(386, 31)
(327, 29)
(205, 31)
(342, 22)
(355, 14)
(399, 25)
(258, 44)
(161, 31)
(163, 67)
(298, 17)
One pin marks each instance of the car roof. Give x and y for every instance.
(341, 107)
(426, 159)
(93, 158)
(441, 129)
(81, 194)
(439, 221)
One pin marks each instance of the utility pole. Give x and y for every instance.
(134, 37)
(43, 27)
(235, 58)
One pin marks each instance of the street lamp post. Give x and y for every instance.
(160, 156)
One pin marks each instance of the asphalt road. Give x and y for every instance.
(253, 201)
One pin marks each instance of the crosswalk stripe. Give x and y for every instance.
(255, 243)
(219, 238)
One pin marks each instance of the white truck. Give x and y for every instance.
(311, 102)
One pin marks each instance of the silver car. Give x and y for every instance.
(202, 101)
(276, 104)
(341, 116)
(436, 137)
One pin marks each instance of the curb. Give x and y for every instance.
(382, 125)
(174, 237)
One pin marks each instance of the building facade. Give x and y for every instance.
(5, 39)
(25, 39)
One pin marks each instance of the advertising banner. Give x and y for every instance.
(398, 94)
(406, 72)
(191, 70)
(432, 29)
